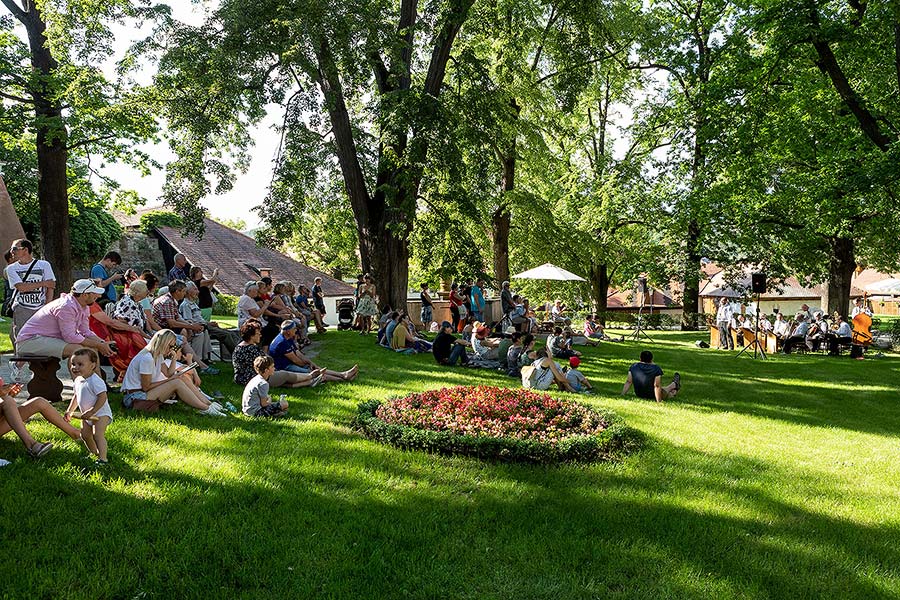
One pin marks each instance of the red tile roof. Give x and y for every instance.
(234, 254)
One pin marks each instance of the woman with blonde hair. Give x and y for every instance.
(154, 376)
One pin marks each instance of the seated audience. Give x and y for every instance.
(249, 350)
(576, 378)
(287, 355)
(310, 312)
(206, 298)
(14, 416)
(646, 378)
(154, 376)
(558, 312)
(403, 336)
(63, 326)
(546, 373)
(485, 348)
(447, 348)
(514, 353)
(559, 345)
(255, 401)
(166, 315)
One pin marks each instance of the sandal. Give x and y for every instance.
(39, 449)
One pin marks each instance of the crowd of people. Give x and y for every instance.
(807, 329)
(158, 341)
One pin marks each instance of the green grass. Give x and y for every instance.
(766, 479)
(5, 344)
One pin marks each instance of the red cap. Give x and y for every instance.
(574, 362)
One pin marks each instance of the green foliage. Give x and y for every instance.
(236, 224)
(92, 231)
(226, 304)
(159, 218)
(614, 442)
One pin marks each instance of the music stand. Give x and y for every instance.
(757, 346)
(639, 328)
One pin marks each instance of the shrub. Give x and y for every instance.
(497, 423)
(159, 218)
(226, 304)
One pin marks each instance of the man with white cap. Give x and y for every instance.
(61, 327)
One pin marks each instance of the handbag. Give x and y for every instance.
(8, 303)
(529, 373)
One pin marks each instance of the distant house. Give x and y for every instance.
(238, 258)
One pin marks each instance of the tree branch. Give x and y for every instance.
(380, 71)
(667, 68)
(16, 98)
(86, 142)
(406, 29)
(437, 67)
(578, 66)
(15, 9)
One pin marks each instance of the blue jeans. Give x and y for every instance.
(296, 369)
(477, 315)
(457, 354)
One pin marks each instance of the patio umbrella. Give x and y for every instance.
(548, 272)
(885, 286)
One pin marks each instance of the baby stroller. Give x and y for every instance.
(345, 314)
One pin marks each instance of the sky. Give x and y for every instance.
(250, 188)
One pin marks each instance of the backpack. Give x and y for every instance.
(529, 376)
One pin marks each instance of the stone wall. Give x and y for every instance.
(138, 252)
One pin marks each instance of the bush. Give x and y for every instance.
(499, 424)
(226, 304)
(159, 218)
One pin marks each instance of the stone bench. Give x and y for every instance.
(45, 382)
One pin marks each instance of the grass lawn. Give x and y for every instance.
(765, 479)
(5, 344)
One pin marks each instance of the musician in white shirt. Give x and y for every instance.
(859, 307)
(723, 322)
(799, 334)
(843, 336)
(782, 328)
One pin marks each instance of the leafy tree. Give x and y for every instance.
(361, 84)
(59, 111)
(236, 224)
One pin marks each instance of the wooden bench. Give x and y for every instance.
(45, 382)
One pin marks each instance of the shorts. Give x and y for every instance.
(427, 315)
(137, 400)
(269, 410)
(41, 346)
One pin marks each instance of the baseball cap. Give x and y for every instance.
(86, 286)
(446, 324)
(574, 361)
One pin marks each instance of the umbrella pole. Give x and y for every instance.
(548, 295)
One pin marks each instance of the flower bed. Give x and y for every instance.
(501, 423)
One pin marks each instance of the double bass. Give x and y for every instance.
(862, 334)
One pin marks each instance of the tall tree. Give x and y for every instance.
(373, 71)
(72, 110)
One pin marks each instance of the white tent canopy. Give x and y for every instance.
(550, 272)
(885, 286)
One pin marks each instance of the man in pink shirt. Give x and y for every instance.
(61, 327)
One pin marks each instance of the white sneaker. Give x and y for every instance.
(210, 412)
(217, 406)
(3, 462)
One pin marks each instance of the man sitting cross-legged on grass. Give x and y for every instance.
(645, 376)
(255, 401)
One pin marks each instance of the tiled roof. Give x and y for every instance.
(234, 254)
(717, 286)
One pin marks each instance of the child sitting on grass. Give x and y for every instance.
(90, 397)
(256, 401)
(575, 377)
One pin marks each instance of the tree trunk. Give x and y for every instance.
(690, 301)
(599, 280)
(840, 275)
(51, 138)
(500, 220)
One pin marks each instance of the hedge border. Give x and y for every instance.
(614, 443)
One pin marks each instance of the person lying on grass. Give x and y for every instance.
(249, 350)
(256, 402)
(13, 417)
(90, 397)
(154, 376)
(287, 355)
(645, 376)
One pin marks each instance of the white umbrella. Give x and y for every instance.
(885, 286)
(548, 272)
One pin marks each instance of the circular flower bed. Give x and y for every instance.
(502, 423)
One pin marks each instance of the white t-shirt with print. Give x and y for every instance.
(42, 271)
(244, 306)
(86, 393)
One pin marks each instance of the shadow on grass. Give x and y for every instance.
(298, 509)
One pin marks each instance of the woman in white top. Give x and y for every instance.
(154, 376)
